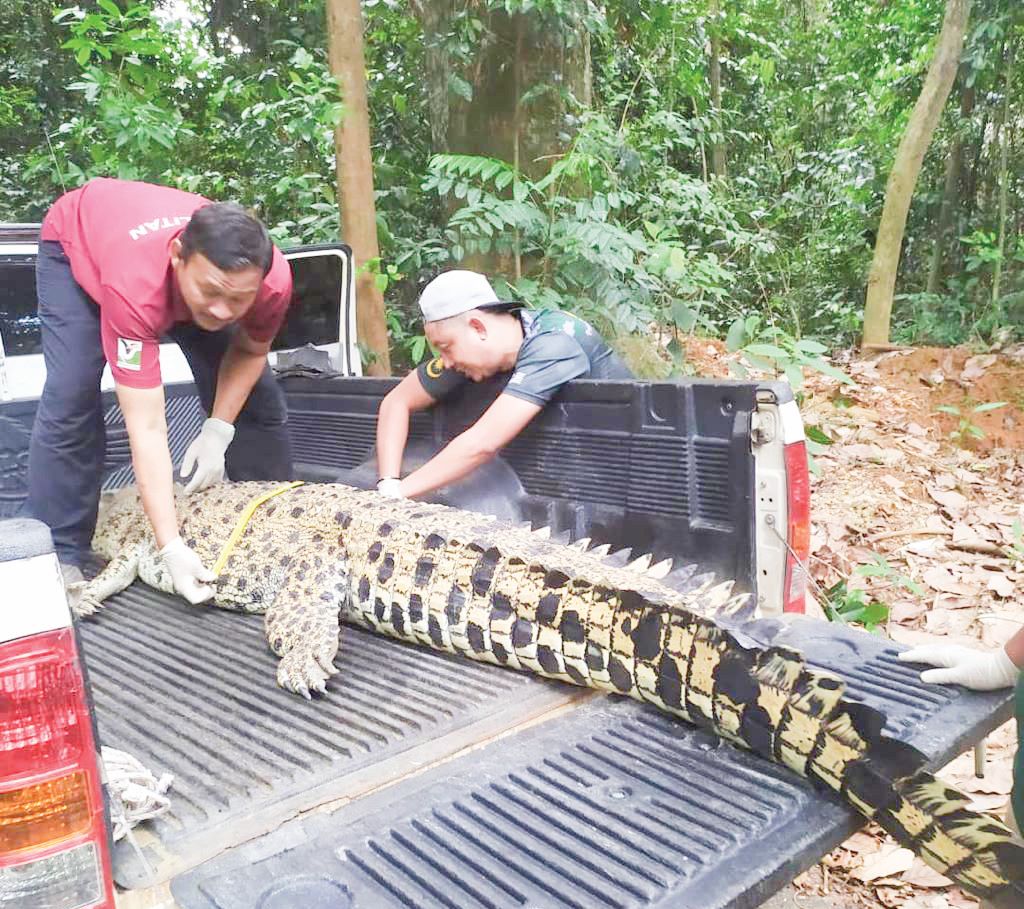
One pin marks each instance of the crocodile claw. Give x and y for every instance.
(82, 603)
(305, 669)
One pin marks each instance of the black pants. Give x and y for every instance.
(66, 454)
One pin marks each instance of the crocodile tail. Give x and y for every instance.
(975, 850)
(770, 701)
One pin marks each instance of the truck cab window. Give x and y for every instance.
(314, 316)
(19, 323)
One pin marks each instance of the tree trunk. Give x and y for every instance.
(905, 169)
(433, 16)
(355, 176)
(715, 80)
(519, 84)
(951, 189)
(1004, 148)
(949, 186)
(494, 120)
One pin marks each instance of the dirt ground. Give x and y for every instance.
(934, 502)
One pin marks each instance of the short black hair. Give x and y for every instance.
(229, 236)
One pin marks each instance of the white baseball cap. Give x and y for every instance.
(459, 291)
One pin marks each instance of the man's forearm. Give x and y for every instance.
(239, 371)
(392, 434)
(459, 457)
(154, 476)
(1015, 649)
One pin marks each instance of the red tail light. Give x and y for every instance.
(54, 851)
(798, 533)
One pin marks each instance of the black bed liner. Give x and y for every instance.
(612, 804)
(600, 803)
(191, 691)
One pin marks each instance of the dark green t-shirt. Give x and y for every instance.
(557, 347)
(1018, 764)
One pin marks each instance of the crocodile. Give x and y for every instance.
(309, 556)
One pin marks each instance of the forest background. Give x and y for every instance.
(663, 168)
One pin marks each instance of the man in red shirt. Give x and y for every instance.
(121, 265)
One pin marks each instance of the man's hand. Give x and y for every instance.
(206, 455)
(190, 577)
(390, 487)
(980, 670)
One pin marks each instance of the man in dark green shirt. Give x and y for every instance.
(478, 336)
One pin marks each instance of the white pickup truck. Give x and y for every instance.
(419, 779)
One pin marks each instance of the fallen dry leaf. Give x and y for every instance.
(960, 900)
(964, 533)
(1000, 584)
(888, 861)
(985, 802)
(907, 611)
(940, 578)
(927, 901)
(862, 843)
(932, 547)
(974, 367)
(951, 500)
(988, 515)
(915, 637)
(921, 875)
(890, 894)
(998, 779)
(954, 601)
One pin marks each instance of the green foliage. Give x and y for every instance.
(816, 443)
(625, 225)
(769, 347)
(587, 239)
(855, 606)
(410, 346)
(1015, 551)
(852, 607)
(152, 102)
(966, 430)
(879, 567)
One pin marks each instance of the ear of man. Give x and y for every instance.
(478, 324)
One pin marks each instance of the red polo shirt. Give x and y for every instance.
(117, 235)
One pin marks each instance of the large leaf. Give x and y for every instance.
(736, 336)
(767, 350)
(683, 316)
(459, 86)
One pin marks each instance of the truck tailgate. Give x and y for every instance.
(609, 804)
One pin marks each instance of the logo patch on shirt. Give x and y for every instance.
(129, 354)
(435, 367)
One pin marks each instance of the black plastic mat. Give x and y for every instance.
(613, 805)
(192, 691)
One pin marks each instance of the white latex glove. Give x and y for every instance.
(390, 487)
(190, 577)
(206, 455)
(980, 670)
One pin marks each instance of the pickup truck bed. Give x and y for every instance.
(403, 789)
(425, 780)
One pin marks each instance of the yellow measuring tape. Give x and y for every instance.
(243, 522)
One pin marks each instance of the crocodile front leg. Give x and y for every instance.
(302, 627)
(86, 597)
